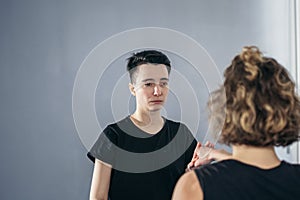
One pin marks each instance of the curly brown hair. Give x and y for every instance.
(261, 106)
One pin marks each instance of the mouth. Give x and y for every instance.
(156, 101)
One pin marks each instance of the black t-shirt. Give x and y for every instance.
(144, 166)
(231, 179)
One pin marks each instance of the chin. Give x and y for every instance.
(158, 108)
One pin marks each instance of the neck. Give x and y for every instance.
(263, 157)
(147, 119)
(150, 122)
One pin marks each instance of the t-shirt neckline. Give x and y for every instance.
(256, 167)
(145, 134)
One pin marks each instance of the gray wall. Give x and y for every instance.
(43, 44)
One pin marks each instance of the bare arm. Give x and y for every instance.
(188, 187)
(100, 181)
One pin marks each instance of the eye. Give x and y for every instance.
(163, 84)
(149, 84)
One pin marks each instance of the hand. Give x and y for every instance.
(196, 160)
(209, 154)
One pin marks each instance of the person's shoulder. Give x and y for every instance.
(296, 165)
(115, 128)
(220, 172)
(175, 123)
(289, 172)
(224, 166)
(291, 166)
(176, 127)
(171, 121)
(188, 187)
(118, 123)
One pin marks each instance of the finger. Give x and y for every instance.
(191, 164)
(209, 144)
(200, 162)
(196, 157)
(198, 146)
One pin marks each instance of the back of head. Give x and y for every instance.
(146, 57)
(262, 108)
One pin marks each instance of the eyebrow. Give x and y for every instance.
(151, 79)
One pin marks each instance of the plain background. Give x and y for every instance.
(42, 45)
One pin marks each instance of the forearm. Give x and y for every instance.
(98, 195)
(100, 181)
(99, 198)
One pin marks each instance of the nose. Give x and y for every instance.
(157, 90)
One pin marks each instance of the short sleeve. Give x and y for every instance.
(104, 148)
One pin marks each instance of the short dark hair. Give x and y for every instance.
(146, 57)
(262, 107)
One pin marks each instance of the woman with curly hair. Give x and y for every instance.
(261, 111)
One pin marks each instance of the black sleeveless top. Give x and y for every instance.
(231, 179)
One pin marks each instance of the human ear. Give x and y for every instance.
(131, 88)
